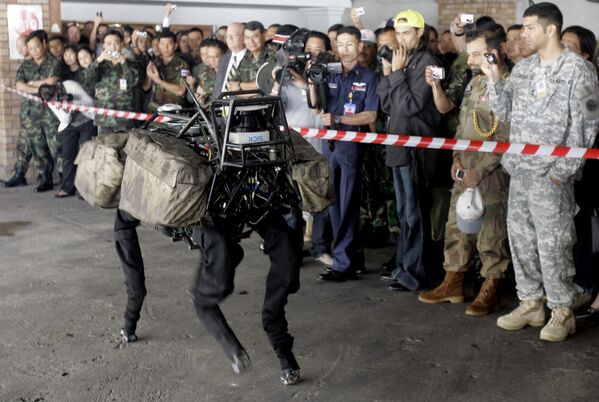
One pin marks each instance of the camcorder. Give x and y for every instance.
(322, 66)
(385, 53)
(54, 92)
(156, 61)
(292, 56)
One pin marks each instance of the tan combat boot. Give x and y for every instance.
(451, 290)
(487, 300)
(529, 312)
(559, 326)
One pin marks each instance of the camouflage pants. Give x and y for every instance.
(23, 152)
(107, 125)
(541, 231)
(490, 241)
(44, 143)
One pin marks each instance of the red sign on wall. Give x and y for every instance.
(22, 20)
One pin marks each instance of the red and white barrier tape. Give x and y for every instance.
(371, 138)
(451, 143)
(121, 114)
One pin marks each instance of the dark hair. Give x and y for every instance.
(214, 43)
(351, 30)
(39, 34)
(57, 37)
(587, 40)
(335, 28)
(323, 37)
(515, 27)
(196, 29)
(102, 25)
(429, 29)
(254, 26)
(88, 50)
(167, 35)
(128, 28)
(494, 35)
(74, 48)
(274, 26)
(115, 32)
(547, 13)
(383, 30)
(222, 27)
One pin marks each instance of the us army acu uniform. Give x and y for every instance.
(249, 65)
(491, 240)
(113, 90)
(39, 124)
(171, 73)
(550, 103)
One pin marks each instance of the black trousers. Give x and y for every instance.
(72, 137)
(220, 255)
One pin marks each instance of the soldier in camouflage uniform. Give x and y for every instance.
(477, 122)
(257, 54)
(165, 79)
(203, 78)
(115, 76)
(38, 122)
(552, 98)
(23, 152)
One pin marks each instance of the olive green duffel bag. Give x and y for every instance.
(100, 165)
(165, 182)
(312, 175)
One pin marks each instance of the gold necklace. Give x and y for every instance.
(485, 134)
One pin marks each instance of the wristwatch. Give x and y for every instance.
(338, 119)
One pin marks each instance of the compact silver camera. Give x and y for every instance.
(438, 73)
(360, 11)
(115, 54)
(142, 34)
(491, 58)
(467, 19)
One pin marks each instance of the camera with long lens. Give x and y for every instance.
(385, 53)
(292, 56)
(54, 92)
(322, 66)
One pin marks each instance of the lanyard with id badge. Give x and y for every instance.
(349, 109)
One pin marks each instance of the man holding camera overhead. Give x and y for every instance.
(351, 104)
(115, 76)
(476, 170)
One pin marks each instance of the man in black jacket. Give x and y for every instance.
(408, 101)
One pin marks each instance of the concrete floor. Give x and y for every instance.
(62, 297)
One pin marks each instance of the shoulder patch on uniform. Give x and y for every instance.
(589, 101)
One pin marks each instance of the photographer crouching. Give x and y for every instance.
(75, 127)
(351, 104)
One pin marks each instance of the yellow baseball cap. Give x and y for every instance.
(412, 19)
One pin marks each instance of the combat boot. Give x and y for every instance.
(17, 180)
(487, 300)
(44, 181)
(529, 312)
(559, 326)
(451, 290)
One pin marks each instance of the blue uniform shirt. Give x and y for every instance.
(358, 87)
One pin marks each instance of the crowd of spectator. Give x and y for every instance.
(446, 211)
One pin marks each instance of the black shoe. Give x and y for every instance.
(590, 314)
(335, 276)
(290, 376)
(241, 362)
(126, 338)
(17, 180)
(44, 184)
(397, 287)
(387, 276)
(388, 266)
(360, 271)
